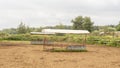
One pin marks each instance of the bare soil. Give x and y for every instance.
(33, 56)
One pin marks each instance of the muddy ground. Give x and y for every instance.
(33, 56)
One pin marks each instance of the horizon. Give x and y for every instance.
(37, 13)
(50, 26)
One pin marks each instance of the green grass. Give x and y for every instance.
(65, 50)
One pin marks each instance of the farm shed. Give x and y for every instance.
(63, 31)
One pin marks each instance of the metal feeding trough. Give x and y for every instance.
(41, 42)
(75, 47)
(37, 42)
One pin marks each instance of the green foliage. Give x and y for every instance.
(96, 32)
(114, 43)
(118, 27)
(77, 22)
(98, 40)
(2, 34)
(10, 31)
(88, 24)
(21, 28)
(37, 38)
(65, 50)
(103, 42)
(93, 39)
(60, 26)
(83, 23)
(59, 38)
(22, 37)
(1, 39)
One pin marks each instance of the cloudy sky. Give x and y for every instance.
(37, 13)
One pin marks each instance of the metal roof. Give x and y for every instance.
(65, 31)
(41, 33)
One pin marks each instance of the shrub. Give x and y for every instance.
(93, 40)
(18, 37)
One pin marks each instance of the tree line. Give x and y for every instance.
(79, 23)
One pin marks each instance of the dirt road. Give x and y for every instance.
(32, 56)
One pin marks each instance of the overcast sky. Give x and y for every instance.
(37, 13)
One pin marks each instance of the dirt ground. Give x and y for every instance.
(32, 56)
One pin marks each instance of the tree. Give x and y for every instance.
(77, 22)
(83, 23)
(87, 25)
(39, 29)
(61, 26)
(10, 31)
(28, 29)
(96, 28)
(21, 28)
(111, 29)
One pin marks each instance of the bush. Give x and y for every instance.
(16, 37)
(93, 40)
(114, 43)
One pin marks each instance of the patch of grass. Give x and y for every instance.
(65, 50)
